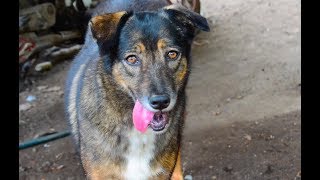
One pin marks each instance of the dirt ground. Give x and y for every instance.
(244, 100)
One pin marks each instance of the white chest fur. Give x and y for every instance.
(140, 152)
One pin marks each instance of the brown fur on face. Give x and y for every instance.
(155, 73)
(182, 71)
(161, 44)
(140, 48)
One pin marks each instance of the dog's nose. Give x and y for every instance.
(159, 101)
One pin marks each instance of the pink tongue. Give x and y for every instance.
(141, 117)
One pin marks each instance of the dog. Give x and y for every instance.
(125, 91)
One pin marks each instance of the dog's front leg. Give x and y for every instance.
(177, 172)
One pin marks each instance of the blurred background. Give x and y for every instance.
(244, 93)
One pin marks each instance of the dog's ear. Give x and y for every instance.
(186, 16)
(105, 27)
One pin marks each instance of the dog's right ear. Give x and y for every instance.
(180, 13)
(105, 28)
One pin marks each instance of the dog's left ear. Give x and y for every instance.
(186, 16)
(105, 28)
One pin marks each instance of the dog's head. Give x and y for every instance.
(147, 53)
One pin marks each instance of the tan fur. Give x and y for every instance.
(140, 48)
(177, 173)
(104, 171)
(183, 72)
(118, 77)
(161, 44)
(103, 26)
(167, 160)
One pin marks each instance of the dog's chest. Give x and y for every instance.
(140, 153)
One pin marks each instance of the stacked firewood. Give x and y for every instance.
(50, 31)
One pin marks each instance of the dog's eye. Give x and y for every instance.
(172, 55)
(132, 60)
